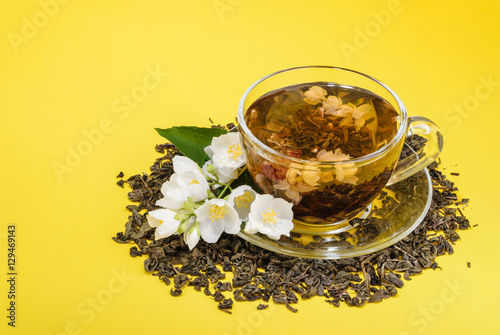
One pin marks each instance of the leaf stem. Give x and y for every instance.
(228, 185)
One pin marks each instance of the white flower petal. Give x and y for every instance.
(164, 221)
(161, 203)
(187, 183)
(191, 238)
(242, 198)
(232, 221)
(272, 216)
(211, 232)
(175, 193)
(197, 191)
(226, 174)
(217, 216)
(251, 227)
(191, 176)
(205, 168)
(153, 222)
(227, 151)
(183, 164)
(208, 150)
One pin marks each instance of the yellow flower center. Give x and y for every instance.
(235, 151)
(269, 216)
(243, 200)
(217, 212)
(194, 182)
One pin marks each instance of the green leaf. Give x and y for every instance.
(191, 141)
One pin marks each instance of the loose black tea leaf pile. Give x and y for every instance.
(258, 274)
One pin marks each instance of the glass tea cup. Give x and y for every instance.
(307, 132)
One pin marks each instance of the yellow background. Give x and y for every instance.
(66, 70)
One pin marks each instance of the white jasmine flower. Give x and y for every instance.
(315, 95)
(217, 216)
(227, 150)
(241, 198)
(270, 216)
(177, 190)
(164, 221)
(224, 174)
(187, 181)
(192, 175)
(252, 227)
(184, 164)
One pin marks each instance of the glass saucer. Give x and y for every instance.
(391, 217)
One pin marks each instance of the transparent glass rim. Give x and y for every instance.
(359, 160)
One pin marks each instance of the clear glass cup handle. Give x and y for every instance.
(419, 160)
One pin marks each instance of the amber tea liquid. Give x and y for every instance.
(322, 122)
